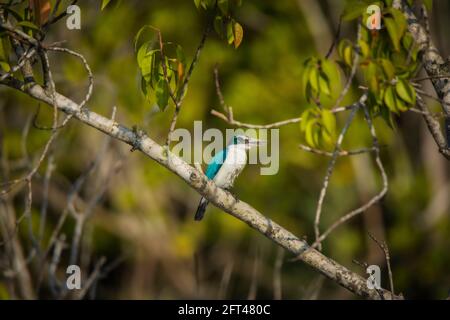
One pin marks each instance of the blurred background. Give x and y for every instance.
(143, 221)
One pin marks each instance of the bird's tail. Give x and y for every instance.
(201, 209)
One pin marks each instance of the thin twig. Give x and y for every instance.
(372, 201)
(434, 127)
(86, 66)
(182, 92)
(335, 39)
(331, 165)
(354, 68)
(54, 284)
(92, 278)
(26, 57)
(228, 117)
(443, 76)
(341, 153)
(11, 183)
(384, 247)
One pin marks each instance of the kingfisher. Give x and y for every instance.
(226, 165)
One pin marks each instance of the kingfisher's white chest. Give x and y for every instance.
(233, 165)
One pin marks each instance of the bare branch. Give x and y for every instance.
(331, 165)
(341, 153)
(92, 278)
(433, 62)
(353, 70)
(434, 127)
(384, 247)
(372, 201)
(228, 115)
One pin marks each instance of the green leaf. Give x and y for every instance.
(139, 34)
(387, 116)
(324, 84)
(197, 3)
(4, 54)
(145, 87)
(181, 57)
(365, 49)
(208, 4)
(145, 60)
(407, 41)
(305, 79)
(29, 25)
(401, 106)
(400, 21)
(371, 70)
(141, 54)
(311, 133)
(305, 118)
(348, 56)
(406, 91)
(329, 122)
(371, 76)
(326, 139)
(230, 33)
(5, 66)
(162, 94)
(314, 79)
(331, 70)
(394, 32)
(342, 45)
(104, 4)
(388, 68)
(390, 99)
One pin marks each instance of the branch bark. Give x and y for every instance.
(438, 71)
(219, 197)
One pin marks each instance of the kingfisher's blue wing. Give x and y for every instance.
(216, 163)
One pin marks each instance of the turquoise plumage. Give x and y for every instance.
(226, 165)
(216, 163)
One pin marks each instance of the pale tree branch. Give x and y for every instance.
(433, 62)
(436, 68)
(217, 196)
